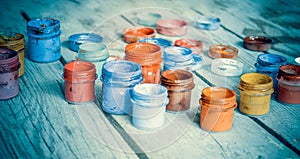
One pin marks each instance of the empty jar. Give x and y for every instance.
(149, 57)
(269, 64)
(14, 41)
(149, 106)
(118, 78)
(79, 79)
(9, 65)
(289, 84)
(44, 39)
(179, 84)
(96, 53)
(176, 57)
(217, 108)
(255, 93)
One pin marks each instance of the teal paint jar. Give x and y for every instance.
(118, 78)
(96, 53)
(44, 39)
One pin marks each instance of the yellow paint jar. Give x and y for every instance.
(255, 93)
(16, 42)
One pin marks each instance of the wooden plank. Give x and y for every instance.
(40, 123)
(189, 137)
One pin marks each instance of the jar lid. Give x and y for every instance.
(91, 51)
(223, 51)
(207, 23)
(171, 27)
(135, 33)
(77, 39)
(158, 41)
(271, 60)
(193, 44)
(257, 43)
(45, 25)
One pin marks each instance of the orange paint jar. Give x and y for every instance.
(179, 84)
(79, 79)
(149, 57)
(14, 41)
(217, 108)
(255, 93)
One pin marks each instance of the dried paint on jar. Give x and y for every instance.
(9, 65)
(255, 93)
(79, 79)
(14, 41)
(179, 84)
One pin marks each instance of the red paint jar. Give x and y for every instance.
(79, 79)
(289, 84)
(135, 33)
(217, 108)
(179, 84)
(149, 57)
(9, 66)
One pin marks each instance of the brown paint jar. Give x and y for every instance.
(217, 108)
(9, 65)
(289, 84)
(255, 93)
(79, 79)
(149, 57)
(14, 41)
(135, 33)
(179, 84)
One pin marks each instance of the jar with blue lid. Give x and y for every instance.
(176, 57)
(269, 64)
(96, 53)
(44, 39)
(118, 78)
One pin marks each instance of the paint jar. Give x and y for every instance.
(179, 84)
(9, 65)
(289, 84)
(149, 57)
(163, 43)
(44, 39)
(75, 40)
(195, 45)
(96, 53)
(176, 57)
(79, 79)
(135, 33)
(118, 78)
(149, 106)
(269, 64)
(14, 41)
(255, 93)
(217, 108)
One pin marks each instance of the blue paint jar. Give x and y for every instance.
(118, 78)
(96, 53)
(77, 39)
(176, 57)
(149, 105)
(44, 39)
(269, 64)
(207, 23)
(163, 43)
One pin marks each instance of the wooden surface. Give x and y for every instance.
(39, 123)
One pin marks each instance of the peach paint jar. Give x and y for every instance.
(255, 93)
(14, 41)
(217, 108)
(149, 57)
(79, 79)
(9, 65)
(179, 84)
(289, 84)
